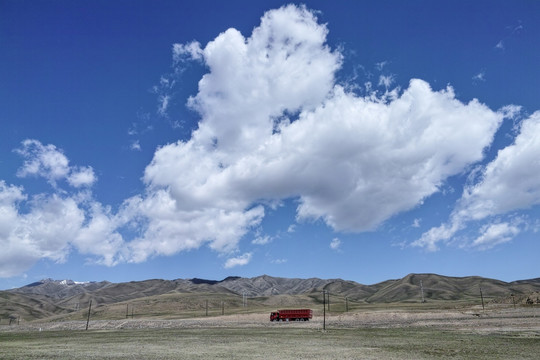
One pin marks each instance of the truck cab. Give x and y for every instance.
(274, 316)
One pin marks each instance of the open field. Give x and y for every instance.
(372, 333)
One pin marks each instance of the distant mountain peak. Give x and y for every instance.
(65, 282)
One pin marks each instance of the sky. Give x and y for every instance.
(359, 140)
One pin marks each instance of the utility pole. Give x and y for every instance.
(328, 293)
(422, 290)
(482, 297)
(88, 319)
(324, 310)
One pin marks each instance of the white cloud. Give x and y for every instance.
(335, 244)
(50, 224)
(99, 236)
(163, 104)
(52, 227)
(50, 163)
(352, 161)
(190, 51)
(43, 160)
(135, 145)
(238, 261)
(481, 76)
(262, 240)
(510, 111)
(510, 182)
(386, 80)
(82, 176)
(167, 228)
(45, 231)
(495, 234)
(416, 223)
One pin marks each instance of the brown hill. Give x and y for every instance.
(15, 306)
(50, 297)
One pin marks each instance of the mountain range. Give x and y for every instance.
(49, 297)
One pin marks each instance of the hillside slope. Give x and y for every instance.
(52, 297)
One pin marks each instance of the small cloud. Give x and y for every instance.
(279, 261)
(176, 124)
(335, 244)
(49, 162)
(190, 51)
(517, 28)
(500, 45)
(291, 228)
(386, 80)
(163, 104)
(42, 160)
(495, 234)
(380, 65)
(262, 240)
(481, 76)
(82, 176)
(416, 223)
(238, 261)
(510, 111)
(135, 145)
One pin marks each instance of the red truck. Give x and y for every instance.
(291, 315)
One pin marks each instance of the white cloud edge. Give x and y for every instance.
(241, 260)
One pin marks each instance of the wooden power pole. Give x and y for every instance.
(324, 309)
(88, 318)
(482, 297)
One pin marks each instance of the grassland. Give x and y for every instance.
(267, 343)
(391, 331)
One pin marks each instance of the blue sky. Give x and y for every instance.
(355, 140)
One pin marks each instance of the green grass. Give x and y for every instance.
(279, 342)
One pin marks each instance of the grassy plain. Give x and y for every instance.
(399, 331)
(266, 343)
